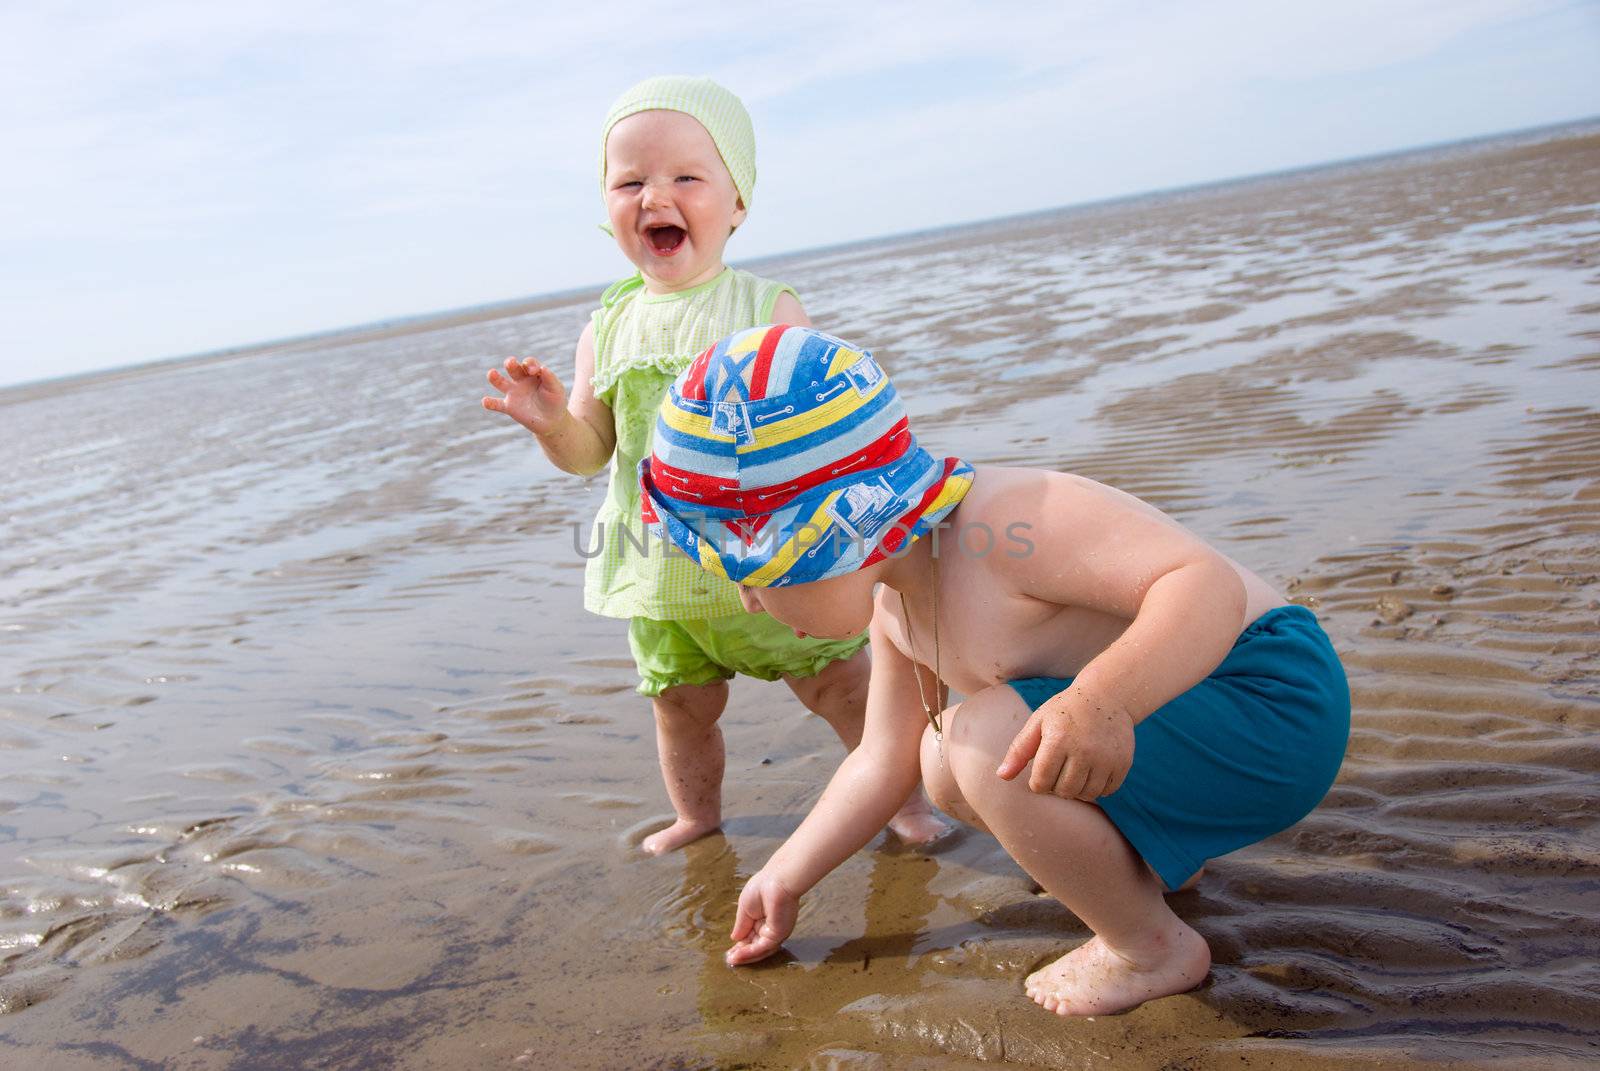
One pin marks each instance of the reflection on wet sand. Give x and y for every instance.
(309, 756)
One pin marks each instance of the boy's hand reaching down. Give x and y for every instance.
(1081, 747)
(534, 397)
(767, 912)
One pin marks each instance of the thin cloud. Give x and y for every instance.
(142, 139)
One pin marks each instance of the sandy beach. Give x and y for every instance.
(309, 756)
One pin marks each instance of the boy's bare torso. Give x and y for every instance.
(991, 630)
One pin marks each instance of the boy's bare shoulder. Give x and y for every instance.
(1077, 541)
(1003, 496)
(1023, 514)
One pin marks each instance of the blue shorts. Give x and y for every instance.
(1244, 754)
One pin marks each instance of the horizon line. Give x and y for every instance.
(405, 324)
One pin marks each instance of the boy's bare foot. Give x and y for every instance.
(1094, 980)
(676, 836)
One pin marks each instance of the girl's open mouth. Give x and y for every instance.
(665, 241)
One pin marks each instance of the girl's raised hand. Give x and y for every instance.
(534, 397)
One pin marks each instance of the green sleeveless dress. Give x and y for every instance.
(641, 342)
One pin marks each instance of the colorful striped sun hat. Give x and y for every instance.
(783, 456)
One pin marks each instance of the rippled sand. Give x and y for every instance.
(309, 757)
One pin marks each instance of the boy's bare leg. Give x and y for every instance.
(689, 744)
(838, 695)
(1140, 950)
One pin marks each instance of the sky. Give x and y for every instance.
(181, 177)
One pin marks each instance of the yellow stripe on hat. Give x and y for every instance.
(843, 358)
(954, 490)
(750, 340)
(710, 560)
(830, 412)
(680, 419)
(805, 537)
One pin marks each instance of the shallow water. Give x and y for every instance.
(309, 756)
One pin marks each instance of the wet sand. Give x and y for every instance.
(310, 758)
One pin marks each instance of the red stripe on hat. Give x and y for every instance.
(748, 529)
(694, 385)
(647, 507)
(758, 375)
(716, 492)
(901, 529)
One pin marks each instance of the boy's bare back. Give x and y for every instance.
(1041, 571)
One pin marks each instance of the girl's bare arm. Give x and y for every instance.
(577, 433)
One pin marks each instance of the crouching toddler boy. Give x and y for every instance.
(1167, 704)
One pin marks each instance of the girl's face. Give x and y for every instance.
(828, 609)
(670, 199)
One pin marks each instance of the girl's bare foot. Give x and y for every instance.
(916, 824)
(676, 836)
(1093, 979)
